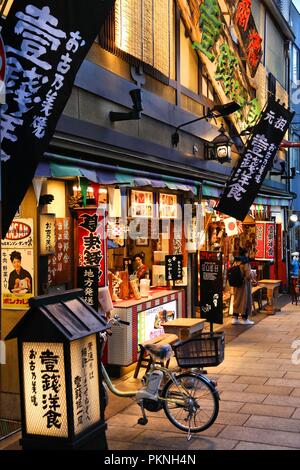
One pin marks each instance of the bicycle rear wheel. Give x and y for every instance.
(192, 404)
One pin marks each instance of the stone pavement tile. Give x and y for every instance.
(271, 422)
(135, 410)
(289, 366)
(276, 374)
(285, 382)
(292, 375)
(287, 355)
(272, 354)
(282, 400)
(234, 387)
(122, 433)
(255, 446)
(123, 419)
(296, 415)
(234, 353)
(269, 389)
(233, 406)
(279, 438)
(296, 392)
(245, 379)
(267, 410)
(243, 397)
(226, 378)
(237, 419)
(203, 443)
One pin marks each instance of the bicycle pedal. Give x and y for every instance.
(143, 421)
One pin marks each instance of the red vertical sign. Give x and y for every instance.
(265, 241)
(92, 241)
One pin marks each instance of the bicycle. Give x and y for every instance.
(189, 399)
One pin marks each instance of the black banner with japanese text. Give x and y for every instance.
(45, 42)
(257, 159)
(211, 287)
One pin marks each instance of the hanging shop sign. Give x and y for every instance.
(59, 268)
(92, 241)
(211, 287)
(17, 265)
(47, 234)
(251, 41)
(174, 267)
(265, 241)
(257, 159)
(45, 44)
(87, 279)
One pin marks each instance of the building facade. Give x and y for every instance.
(161, 65)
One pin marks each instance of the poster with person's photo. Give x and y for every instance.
(17, 278)
(17, 269)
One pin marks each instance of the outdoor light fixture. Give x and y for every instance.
(136, 97)
(220, 148)
(294, 218)
(59, 347)
(219, 110)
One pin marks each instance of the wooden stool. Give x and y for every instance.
(145, 360)
(257, 295)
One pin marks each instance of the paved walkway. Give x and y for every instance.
(260, 397)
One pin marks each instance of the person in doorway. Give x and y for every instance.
(295, 264)
(242, 304)
(142, 270)
(19, 278)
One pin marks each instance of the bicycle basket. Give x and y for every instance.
(204, 351)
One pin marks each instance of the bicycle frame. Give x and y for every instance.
(132, 393)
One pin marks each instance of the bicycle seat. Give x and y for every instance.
(161, 352)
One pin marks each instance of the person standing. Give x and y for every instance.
(242, 304)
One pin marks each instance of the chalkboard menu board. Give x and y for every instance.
(211, 287)
(174, 267)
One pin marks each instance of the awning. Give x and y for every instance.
(124, 176)
(215, 191)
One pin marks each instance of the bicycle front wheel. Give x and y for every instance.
(191, 404)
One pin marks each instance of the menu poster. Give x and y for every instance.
(211, 287)
(87, 279)
(265, 241)
(142, 204)
(59, 267)
(174, 267)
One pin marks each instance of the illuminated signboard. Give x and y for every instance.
(150, 322)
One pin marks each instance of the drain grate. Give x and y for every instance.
(8, 427)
